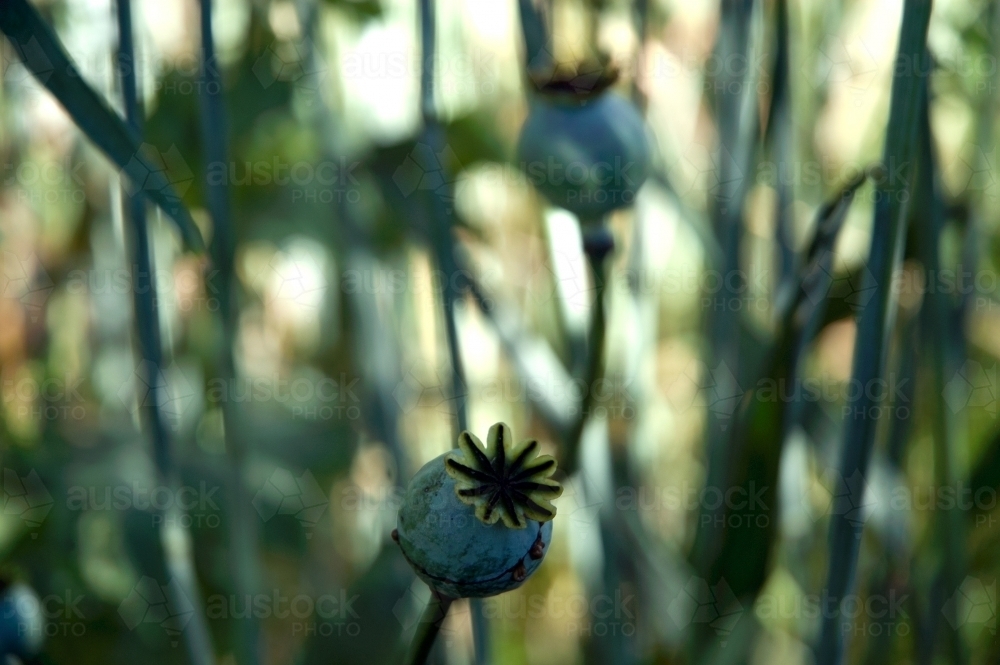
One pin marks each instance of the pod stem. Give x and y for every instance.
(598, 244)
(428, 628)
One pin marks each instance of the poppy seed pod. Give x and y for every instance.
(585, 148)
(21, 624)
(476, 522)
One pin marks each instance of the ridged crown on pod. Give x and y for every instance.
(505, 480)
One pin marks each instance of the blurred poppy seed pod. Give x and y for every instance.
(584, 147)
(21, 624)
(476, 522)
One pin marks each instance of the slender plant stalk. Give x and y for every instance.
(520, 346)
(813, 278)
(598, 244)
(242, 527)
(986, 472)
(948, 428)
(175, 539)
(537, 51)
(889, 577)
(379, 340)
(876, 320)
(738, 126)
(45, 57)
(444, 245)
(742, 554)
(428, 628)
(779, 137)
(640, 18)
(441, 211)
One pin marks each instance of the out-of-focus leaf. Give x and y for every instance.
(536, 40)
(779, 136)
(384, 608)
(362, 9)
(877, 317)
(942, 327)
(987, 470)
(42, 53)
(741, 554)
(738, 120)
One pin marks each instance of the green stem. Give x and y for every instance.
(242, 528)
(537, 54)
(947, 428)
(876, 319)
(598, 244)
(444, 245)
(428, 628)
(174, 538)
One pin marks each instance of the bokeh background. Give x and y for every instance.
(342, 372)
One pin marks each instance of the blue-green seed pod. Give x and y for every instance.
(476, 523)
(585, 150)
(22, 627)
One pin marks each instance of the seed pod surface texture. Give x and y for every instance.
(474, 524)
(588, 156)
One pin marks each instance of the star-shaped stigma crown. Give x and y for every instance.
(509, 482)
